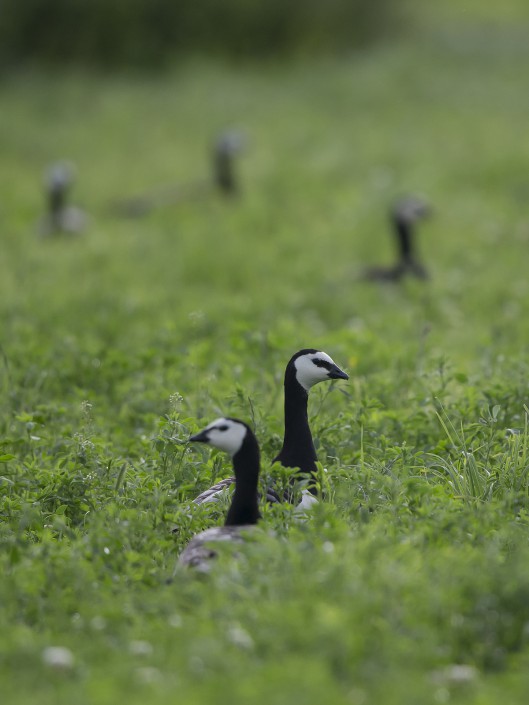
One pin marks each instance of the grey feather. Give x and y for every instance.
(201, 549)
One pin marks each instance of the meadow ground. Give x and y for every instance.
(410, 583)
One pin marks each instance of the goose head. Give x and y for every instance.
(310, 366)
(226, 434)
(230, 142)
(409, 210)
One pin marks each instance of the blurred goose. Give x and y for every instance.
(223, 152)
(226, 147)
(61, 218)
(237, 439)
(304, 369)
(405, 214)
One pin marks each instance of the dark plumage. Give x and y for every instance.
(405, 214)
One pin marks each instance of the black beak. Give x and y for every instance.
(336, 373)
(201, 437)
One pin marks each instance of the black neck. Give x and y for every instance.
(405, 240)
(57, 200)
(224, 172)
(244, 508)
(298, 447)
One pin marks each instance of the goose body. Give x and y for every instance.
(236, 438)
(404, 215)
(305, 368)
(223, 488)
(201, 549)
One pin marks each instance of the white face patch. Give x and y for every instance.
(308, 373)
(226, 434)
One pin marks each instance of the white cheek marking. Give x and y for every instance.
(230, 440)
(307, 373)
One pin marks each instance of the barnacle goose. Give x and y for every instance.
(304, 369)
(236, 438)
(223, 179)
(404, 215)
(61, 217)
(227, 146)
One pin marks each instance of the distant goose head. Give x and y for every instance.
(226, 434)
(410, 210)
(309, 366)
(230, 142)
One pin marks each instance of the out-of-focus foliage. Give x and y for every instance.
(151, 32)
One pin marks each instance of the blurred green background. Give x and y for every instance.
(149, 33)
(153, 32)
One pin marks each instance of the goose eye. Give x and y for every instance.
(222, 428)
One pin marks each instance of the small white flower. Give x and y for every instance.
(240, 637)
(58, 657)
(148, 674)
(98, 623)
(455, 673)
(140, 648)
(175, 621)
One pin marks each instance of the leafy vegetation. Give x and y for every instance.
(410, 581)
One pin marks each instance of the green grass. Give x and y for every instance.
(116, 346)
